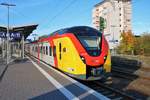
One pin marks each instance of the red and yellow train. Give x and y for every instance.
(81, 52)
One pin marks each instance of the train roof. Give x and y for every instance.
(74, 30)
(69, 30)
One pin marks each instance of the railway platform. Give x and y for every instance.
(2, 65)
(34, 80)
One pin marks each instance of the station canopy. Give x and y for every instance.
(25, 31)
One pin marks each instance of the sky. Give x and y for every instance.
(52, 15)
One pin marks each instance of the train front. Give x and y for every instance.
(94, 52)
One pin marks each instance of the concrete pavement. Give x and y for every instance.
(28, 79)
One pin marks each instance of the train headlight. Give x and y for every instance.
(83, 59)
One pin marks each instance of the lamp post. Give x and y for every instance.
(7, 35)
(113, 26)
(113, 38)
(34, 36)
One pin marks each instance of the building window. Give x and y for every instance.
(120, 14)
(120, 25)
(128, 20)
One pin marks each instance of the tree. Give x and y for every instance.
(139, 44)
(127, 42)
(145, 44)
(145, 40)
(102, 23)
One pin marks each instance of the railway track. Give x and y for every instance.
(108, 91)
(118, 72)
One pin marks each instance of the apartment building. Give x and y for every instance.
(117, 15)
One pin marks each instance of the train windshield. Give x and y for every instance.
(90, 39)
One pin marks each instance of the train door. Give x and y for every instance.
(58, 53)
(63, 61)
(64, 54)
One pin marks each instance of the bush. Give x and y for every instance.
(137, 45)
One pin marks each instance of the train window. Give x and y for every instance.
(89, 38)
(36, 49)
(60, 51)
(43, 50)
(54, 51)
(46, 50)
(59, 47)
(50, 51)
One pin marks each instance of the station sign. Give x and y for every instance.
(14, 35)
(2, 35)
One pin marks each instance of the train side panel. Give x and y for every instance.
(68, 58)
(45, 53)
(107, 64)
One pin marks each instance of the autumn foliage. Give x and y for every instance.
(127, 42)
(138, 45)
(142, 44)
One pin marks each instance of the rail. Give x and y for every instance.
(108, 91)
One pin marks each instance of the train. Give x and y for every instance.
(81, 52)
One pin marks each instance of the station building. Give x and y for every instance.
(16, 39)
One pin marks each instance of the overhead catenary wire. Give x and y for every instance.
(46, 18)
(61, 12)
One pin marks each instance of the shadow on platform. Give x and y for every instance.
(57, 95)
(5, 67)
